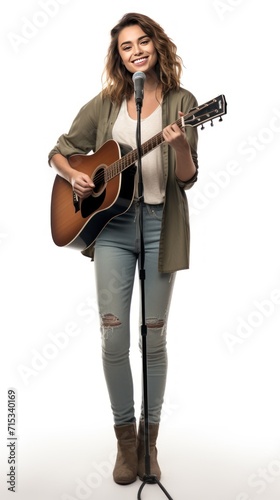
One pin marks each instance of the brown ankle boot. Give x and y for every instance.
(125, 470)
(154, 466)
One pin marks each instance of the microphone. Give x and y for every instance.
(138, 79)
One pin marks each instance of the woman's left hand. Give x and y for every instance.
(176, 137)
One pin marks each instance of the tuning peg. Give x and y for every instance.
(220, 119)
(202, 127)
(212, 124)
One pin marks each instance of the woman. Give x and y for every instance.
(137, 44)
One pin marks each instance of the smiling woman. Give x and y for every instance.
(138, 52)
(137, 44)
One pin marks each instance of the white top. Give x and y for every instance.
(124, 132)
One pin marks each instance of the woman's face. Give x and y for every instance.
(136, 49)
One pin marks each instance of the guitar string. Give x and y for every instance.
(123, 163)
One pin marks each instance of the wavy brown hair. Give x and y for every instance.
(117, 79)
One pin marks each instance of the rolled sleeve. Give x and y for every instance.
(81, 137)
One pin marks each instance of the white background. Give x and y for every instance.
(220, 437)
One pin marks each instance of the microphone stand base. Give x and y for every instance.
(151, 479)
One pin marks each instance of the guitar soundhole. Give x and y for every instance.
(98, 180)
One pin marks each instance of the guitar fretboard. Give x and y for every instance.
(199, 115)
(130, 158)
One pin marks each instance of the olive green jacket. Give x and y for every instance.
(92, 127)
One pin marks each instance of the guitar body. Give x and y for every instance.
(79, 229)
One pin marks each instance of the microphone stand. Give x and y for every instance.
(148, 477)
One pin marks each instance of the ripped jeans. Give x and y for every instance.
(117, 251)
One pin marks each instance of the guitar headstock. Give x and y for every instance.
(206, 112)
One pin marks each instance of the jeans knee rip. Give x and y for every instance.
(108, 322)
(156, 324)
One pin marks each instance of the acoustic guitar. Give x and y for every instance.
(76, 224)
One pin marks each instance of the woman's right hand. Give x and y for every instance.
(82, 184)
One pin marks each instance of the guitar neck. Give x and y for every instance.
(130, 158)
(196, 116)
